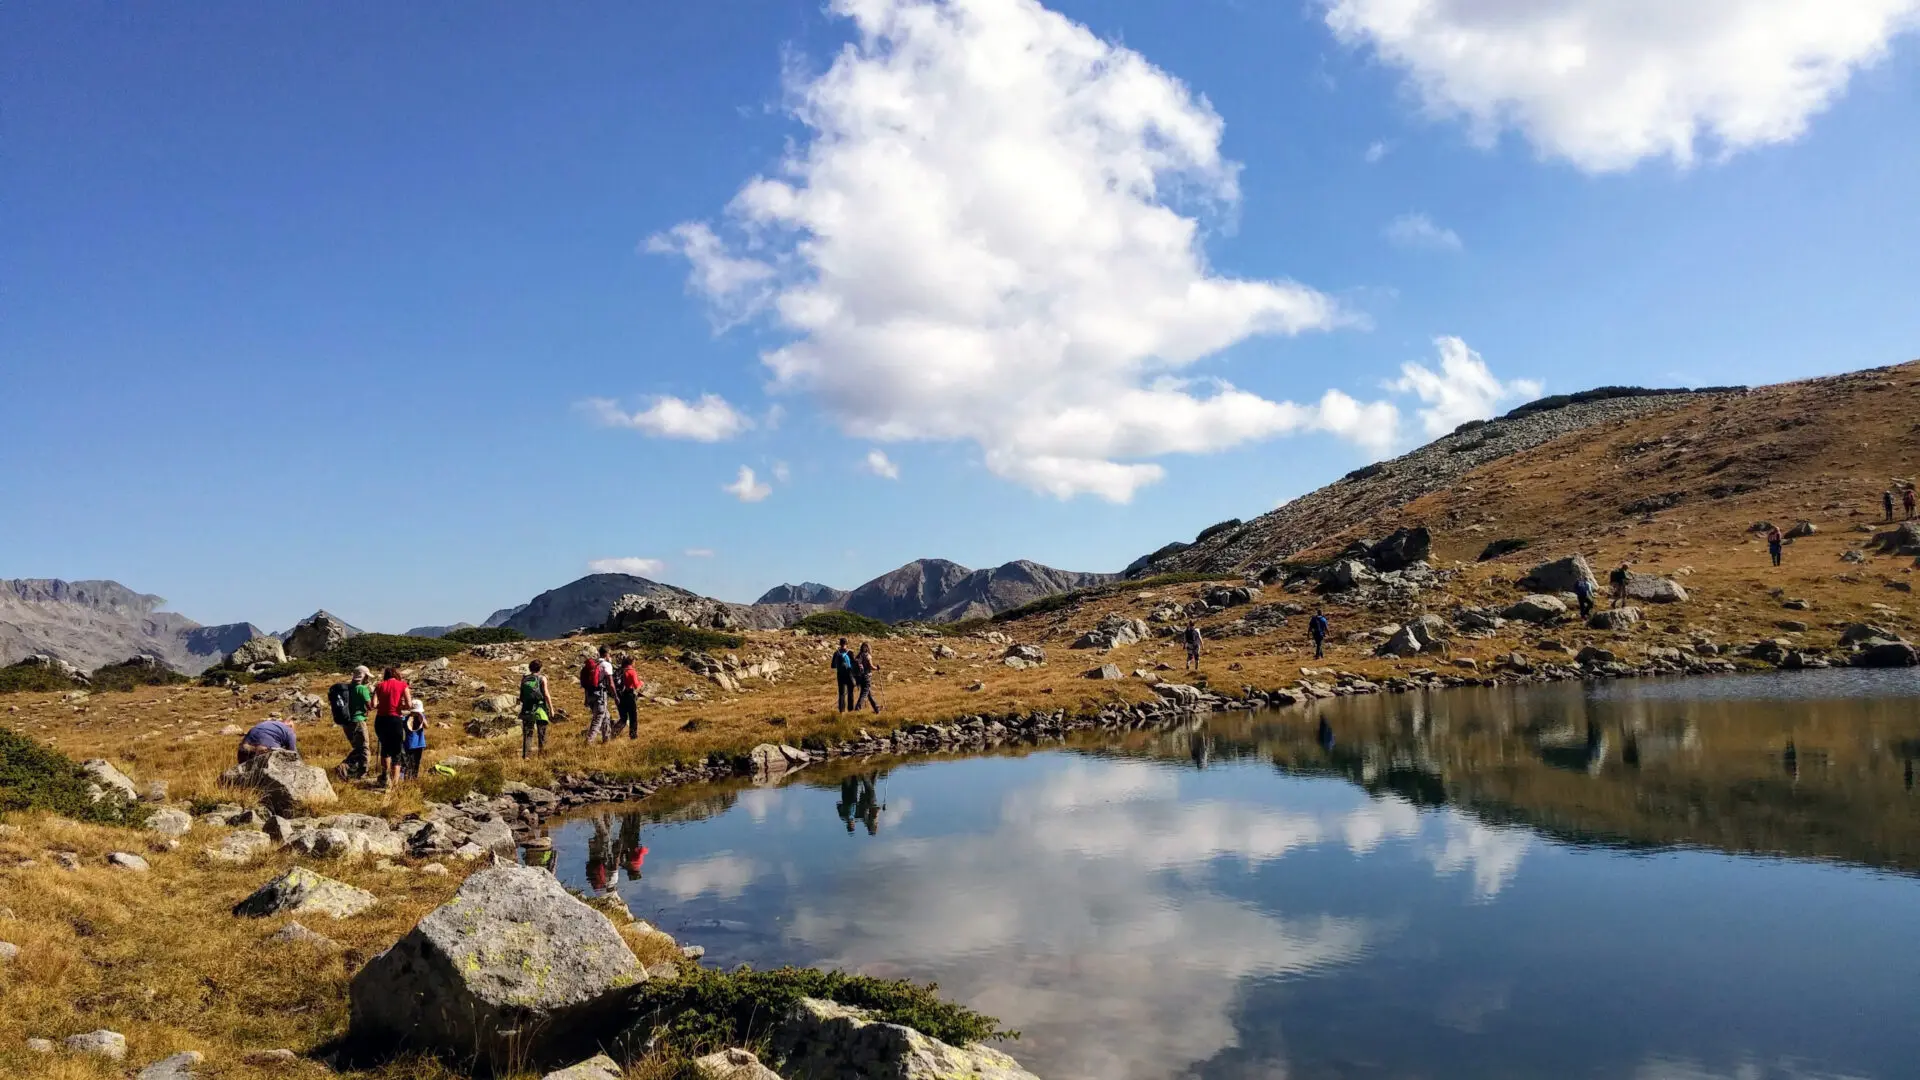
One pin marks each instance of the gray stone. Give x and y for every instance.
(1402, 549)
(168, 821)
(1886, 654)
(600, 1067)
(1404, 642)
(1032, 654)
(1654, 589)
(319, 633)
(300, 891)
(1106, 671)
(1560, 575)
(295, 934)
(110, 780)
(1859, 632)
(40, 1046)
(1181, 694)
(154, 792)
(1621, 618)
(512, 969)
(284, 781)
(102, 1043)
(770, 759)
(732, 1065)
(1800, 529)
(127, 860)
(260, 651)
(1593, 654)
(1537, 608)
(180, 1066)
(825, 1039)
(239, 847)
(9, 952)
(1345, 574)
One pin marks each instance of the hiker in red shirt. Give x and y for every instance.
(629, 683)
(391, 699)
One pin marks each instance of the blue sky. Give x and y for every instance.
(413, 311)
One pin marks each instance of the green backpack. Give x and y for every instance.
(531, 699)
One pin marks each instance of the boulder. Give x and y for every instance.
(1560, 575)
(239, 848)
(770, 758)
(179, 1066)
(284, 781)
(598, 1067)
(1404, 642)
(1592, 655)
(258, 652)
(300, 891)
(1537, 608)
(1181, 694)
(1800, 529)
(1886, 654)
(1106, 671)
(1902, 539)
(295, 934)
(127, 860)
(823, 1038)
(168, 821)
(1112, 632)
(1622, 618)
(513, 971)
(732, 1065)
(492, 726)
(1345, 574)
(631, 610)
(109, 781)
(102, 1043)
(498, 704)
(319, 633)
(1230, 596)
(1401, 549)
(1654, 589)
(1032, 654)
(944, 651)
(1856, 633)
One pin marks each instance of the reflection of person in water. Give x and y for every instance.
(631, 851)
(859, 801)
(1791, 760)
(600, 854)
(1200, 749)
(1326, 735)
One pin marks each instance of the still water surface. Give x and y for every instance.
(1653, 880)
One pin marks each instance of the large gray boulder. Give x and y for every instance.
(823, 1039)
(1620, 618)
(598, 1067)
(1560, 575)
(258, 652)
(284, 781)
(1402, 549)
(180, 1066)
(109, 781)
(1404, 642)
(1886, 654)
(731, 1065)
(321, 632)
(512, 971)
(101, 1043)
(1031, 654)
(1345, 574)
(1654, 589)
(300, 891)
(1114, 631)
(1538, 608)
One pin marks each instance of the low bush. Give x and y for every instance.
(386, 650)
(34, 678)
(705, 1010)
(485, 778)
(843, 624)
(1212, 531)
(1046, 605)
(294, 667)
(663, 634)
(483, 635)
(34, 776)
(126, 675)
(1502, 547)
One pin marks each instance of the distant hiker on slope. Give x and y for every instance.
(536, 710)
(628, 683)
(596, 683)
(1192, 640)
(265, 737)
(1774, 542)
(1583, 592)
(391, 701)
(1618, 579)
(843, 676)
(863, 668)
(1317, 630)
(1886, 502)
(1906, 497)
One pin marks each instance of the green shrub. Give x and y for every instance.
(843, 624)
(126, 675)
(1160, 581)
(664, 634)
(34, 678)
(379, 651)
(1212, 531)
(705, 1010)
(1043, 606)
(484, 635)
(294, 667)
(34, 776)
(224, 677)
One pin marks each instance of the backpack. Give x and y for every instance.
(590, 675)
(842, 660)
(340, 700)
(530, 696)
(1317, 626)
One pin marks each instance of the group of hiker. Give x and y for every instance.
(853, 677)
(1906, 500)
(399, 720)
(607, 683)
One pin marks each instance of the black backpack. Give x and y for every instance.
(340, 700)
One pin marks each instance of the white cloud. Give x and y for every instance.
(698, 553)
(1377, 152)
(1462, 390)
(746, 487)
(781, 473)
(1492, 853)
(880, 465)
(1419, 231)
(725, 875)
(1606, 84)
(992, 234)
(710, 419)
(635, 566)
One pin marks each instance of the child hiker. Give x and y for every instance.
(416, 745)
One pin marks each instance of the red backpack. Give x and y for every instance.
(590, 675)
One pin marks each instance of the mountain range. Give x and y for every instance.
(91, 623)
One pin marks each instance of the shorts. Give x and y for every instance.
(392, 733)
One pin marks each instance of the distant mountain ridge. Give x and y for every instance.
(807, 592)
(935, 590)
(93, 623)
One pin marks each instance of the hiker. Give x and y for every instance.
(1618, 579)
(536, 710)
(633, 853)
(1886, 501)
(1774, 540)
(596, 683)
(1906, 497)
(392, 699)
(351, 702)
(843, 676)
(628, 683)
(863, 668)
(1192, 639)
(1583, 592)
(416, 746)
(265, 737)
(1317, 629)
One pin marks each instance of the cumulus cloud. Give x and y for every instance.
(880, 465)
(1606, 84)
(710, 419)
(1419, 231)
(630, 565)
(746, 487)
(991, 232)
(1462, 390)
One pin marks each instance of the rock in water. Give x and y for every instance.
(1886, 654)
(284, 781)
(512, 970)
(1561, 575)
(732, 1065)
(822, 1038)
(300, 891)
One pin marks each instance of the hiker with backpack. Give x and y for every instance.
(1192, 639)
(536, 710)
(863, 668)
(596, 683)
(1317, 630)
(1906, 499)
(843, 676)
(351, 702)
(1618, 579)
(1886, 502)
(1774, 543)
(1583, 593)
(628, 683)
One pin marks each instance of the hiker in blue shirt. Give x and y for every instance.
(843, 676)
(1317, 629)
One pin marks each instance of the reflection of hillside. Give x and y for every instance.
(1808, 779)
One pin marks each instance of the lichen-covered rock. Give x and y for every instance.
(109, 781)
(284, 781)
(513, 970)
(300, 891)
(319, 633)
(821, 1039)
(102, 1043)
(732, 1065)
(240, 847)
(257, 652)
